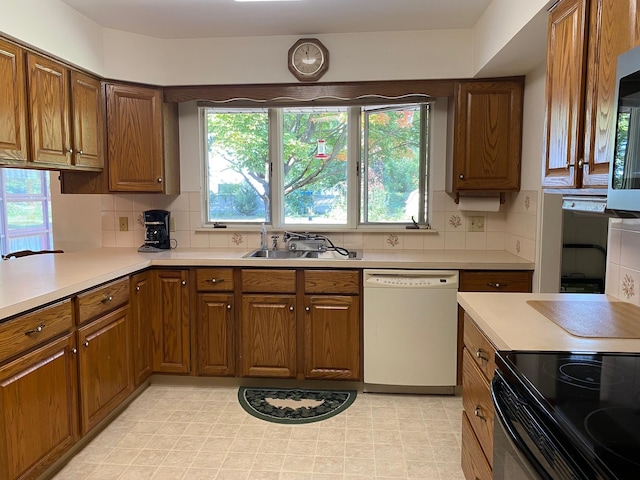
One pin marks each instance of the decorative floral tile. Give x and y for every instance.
(393, 240)
(527, 202)
(237, 239)
(455, 221)
(518, 246)
(628, 287)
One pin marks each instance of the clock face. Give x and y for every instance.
(308, 59)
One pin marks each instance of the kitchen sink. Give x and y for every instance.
(294, 254)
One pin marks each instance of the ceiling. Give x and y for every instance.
(171, 19)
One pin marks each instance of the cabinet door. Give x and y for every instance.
(38, 409)
(332, 337)
(215, 338)
(105, 379)
(609, 27)
(87, 121)
(170, 325)
(13, 105)
(48, 96)
(268, 336)
(566, 61)
(135, 140)
(142, 299)
(488, 136)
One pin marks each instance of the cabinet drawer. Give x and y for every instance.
(476, 400)
(480, 349)
(269, 281)
(28, 330)
(474, 463)
(343, 282)
(214, 279)
(495, 281)
(101, 300)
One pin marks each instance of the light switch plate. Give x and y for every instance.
(475, 223)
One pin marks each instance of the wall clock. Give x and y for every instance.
(308, 59)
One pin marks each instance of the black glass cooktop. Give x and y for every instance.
(593, 398)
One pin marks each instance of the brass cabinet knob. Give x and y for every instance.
(184, 282)
(159, 180)
(481, 356)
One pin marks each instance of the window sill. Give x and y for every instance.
(256, 228)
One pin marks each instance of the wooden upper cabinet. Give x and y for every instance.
(88, 121)
(584, 41)
(48, 98)
(142, 155)
(487, 136)
(13, 113)
(609, 26)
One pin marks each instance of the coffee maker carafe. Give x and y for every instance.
(156, 235)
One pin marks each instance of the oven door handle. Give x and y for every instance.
(512, 435)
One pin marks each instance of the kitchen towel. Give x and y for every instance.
(479, 203)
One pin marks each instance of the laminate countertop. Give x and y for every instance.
(29, 282)
(512, 324)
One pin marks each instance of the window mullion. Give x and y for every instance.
(277, 167)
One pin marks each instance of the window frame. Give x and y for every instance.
(354, 170)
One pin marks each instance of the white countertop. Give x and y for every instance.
(29, 282)
(511, 324)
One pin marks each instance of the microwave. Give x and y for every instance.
(624, 175)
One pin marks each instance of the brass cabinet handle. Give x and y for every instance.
(184, 282)
(159, 180)
(106, 299)
(138, 288)
(70, 150)
(479, 354)
(291, 309)
(307, 309)
(74, 350)
(496, 285)
(36, 330)
(217, 280)
(86, 343)
(228, 306)
(478, 413)
(461, 176)
(80, 152)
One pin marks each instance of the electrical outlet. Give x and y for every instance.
(476, 224)
(124, 224)
(172, 224)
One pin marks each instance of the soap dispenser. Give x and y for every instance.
(263, 238)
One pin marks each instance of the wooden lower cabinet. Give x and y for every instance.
(142, 298)
(170, 324)
(478, 414)
(474, 463)
(215, 340)
(268, 336)
(104, 366)
(332, 337)
(38, 409)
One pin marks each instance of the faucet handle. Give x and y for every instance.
(274, 241)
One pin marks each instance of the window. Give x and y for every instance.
(324, 166)
(25, 212)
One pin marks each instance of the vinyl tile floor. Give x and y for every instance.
(196, 433)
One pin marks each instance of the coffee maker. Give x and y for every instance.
(156, 235)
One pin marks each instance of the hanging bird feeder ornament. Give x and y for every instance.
(321, 150)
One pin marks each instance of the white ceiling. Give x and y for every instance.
(227, 18)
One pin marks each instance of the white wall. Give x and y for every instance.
(55, 28)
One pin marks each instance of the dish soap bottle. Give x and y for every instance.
(263, 238)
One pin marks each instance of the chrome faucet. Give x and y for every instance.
(274, 242)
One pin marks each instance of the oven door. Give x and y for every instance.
(523, 447)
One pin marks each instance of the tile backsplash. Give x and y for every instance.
(512, 228)
(623, 260)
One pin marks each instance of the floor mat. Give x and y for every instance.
(294, 405)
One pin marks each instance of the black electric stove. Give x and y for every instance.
(589, 404)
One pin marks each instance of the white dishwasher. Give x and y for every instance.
(410, 330)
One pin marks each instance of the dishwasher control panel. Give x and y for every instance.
(411, 279)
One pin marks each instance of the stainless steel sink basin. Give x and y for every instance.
(294, 254)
